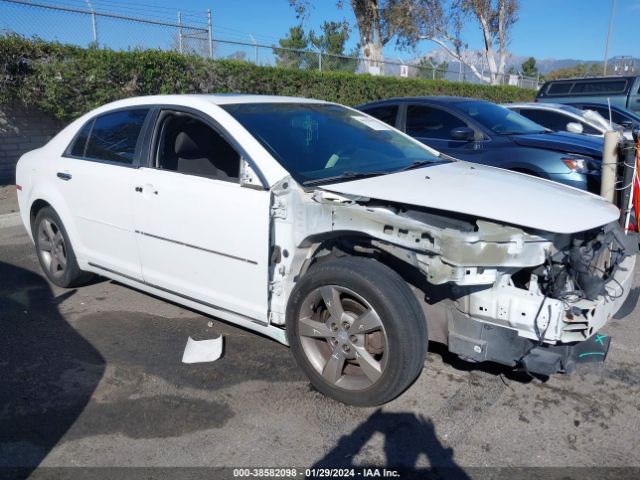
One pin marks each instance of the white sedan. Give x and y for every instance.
(326, 229)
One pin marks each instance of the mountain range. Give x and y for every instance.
(544, 65)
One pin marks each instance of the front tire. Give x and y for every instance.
(55, 253)
(356, 330)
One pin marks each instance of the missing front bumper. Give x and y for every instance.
(481, 342)
(550, 359)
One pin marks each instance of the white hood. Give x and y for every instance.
(490, 193)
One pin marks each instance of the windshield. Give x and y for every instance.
(499, 119)
(599, 119)
(319, 143)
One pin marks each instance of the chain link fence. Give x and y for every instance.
(77, 22)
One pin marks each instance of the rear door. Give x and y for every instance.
(97, 176)
(201, 234)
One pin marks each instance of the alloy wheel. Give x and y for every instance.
(343, 337)
(52, 247)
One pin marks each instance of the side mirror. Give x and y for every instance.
(575, 127)
(464, 134)
(248, 176)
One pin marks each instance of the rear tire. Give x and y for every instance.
(357, 331)
(55, 253)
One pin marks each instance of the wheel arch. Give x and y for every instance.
(351, 243)
(358, 244)
(57, 203)
(36, 206)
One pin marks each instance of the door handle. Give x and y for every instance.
(64, 176)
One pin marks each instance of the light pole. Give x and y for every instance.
(606, 48)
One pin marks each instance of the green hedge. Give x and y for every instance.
(66, 81)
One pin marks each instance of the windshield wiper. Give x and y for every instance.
(416, 164)
(348, 175)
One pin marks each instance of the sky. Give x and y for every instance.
(558, 29)
(546, 28)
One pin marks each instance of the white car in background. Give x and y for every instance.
(566, 118)
(328, 230)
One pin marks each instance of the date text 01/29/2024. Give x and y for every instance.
(315, 472)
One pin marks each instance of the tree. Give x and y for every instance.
(291, 53)
(373, 28)
(577, 71)
(439, 21)
(429, 70)
(331, 42)
(529, 68)
(295, 51)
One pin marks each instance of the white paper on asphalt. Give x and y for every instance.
(200, 351)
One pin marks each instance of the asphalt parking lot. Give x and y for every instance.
(93, 377)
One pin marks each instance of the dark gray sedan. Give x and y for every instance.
(483, 132)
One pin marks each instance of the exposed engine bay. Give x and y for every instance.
(474, 277)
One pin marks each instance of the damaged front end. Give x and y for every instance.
(490, 291)
(546, 318)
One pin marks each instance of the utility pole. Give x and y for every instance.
(606, 48)
(209, 28)
(180, 32)
(93, 22)
(255, 46)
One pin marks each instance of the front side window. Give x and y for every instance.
(111, 137)
(429, 122)
(189, 146)
(604, 112)
(320, 143)
(589, 130)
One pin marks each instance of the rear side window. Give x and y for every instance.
(386, 113)
(428, 122)
(559, 88)
(112, 137)
(79, 146)
(611, 86)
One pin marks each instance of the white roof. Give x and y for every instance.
(538, 105)
(229, 98)
(215, 99)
